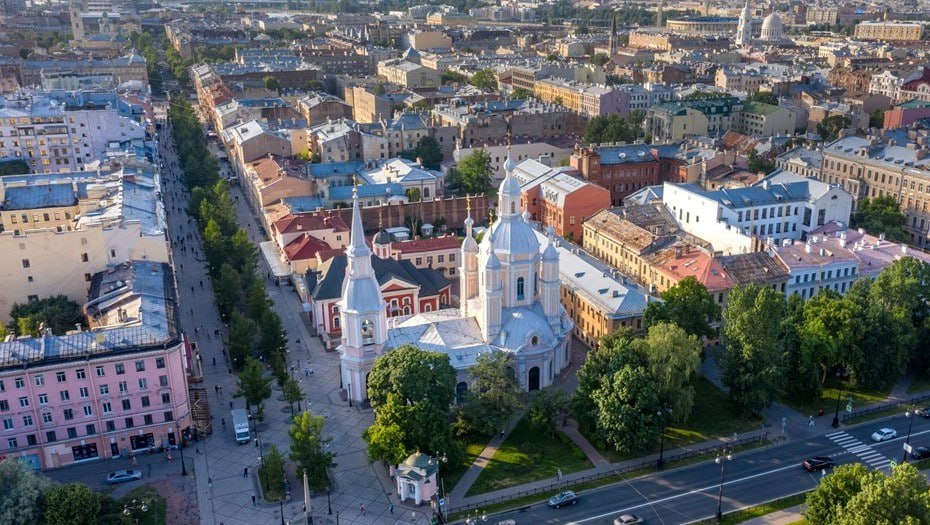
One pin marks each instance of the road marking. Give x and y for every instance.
(859, 448)
(684, 494)
(840, 433)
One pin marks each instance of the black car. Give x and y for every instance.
(920, 453)
(818, 463)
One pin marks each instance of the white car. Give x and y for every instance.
(122, 476)
(884, 434)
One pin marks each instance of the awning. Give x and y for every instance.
(270, 253)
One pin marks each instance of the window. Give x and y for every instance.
(60, 377)
(2, 387)
(140, 366)
(11, 443)
(520, 287)
(127, 405)
(159, 362)
(123, 388)
(129, 423)
(107, 408)
(43, 399)
(83, 392)
(90, 429)
(65, 395)
(39, 380)
(104, 390)
(20, 383)
(8, 424)
(143, 383)
(27, 420)
(88, 411)
(100, 371)
(50, 436)
(162, 380)
(31, 440)
(79, 373)
(47, 417)
(4, 405)
(145, 401)
(25, 263)
(24, 402)
(120, 369)
(148, 419)
(69, 414)
(169, 416)
(84, 257)
(72, 432)
(166, 398)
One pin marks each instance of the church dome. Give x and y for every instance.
(514, 236)
(382, 238)
(772, 28)
(510, 187)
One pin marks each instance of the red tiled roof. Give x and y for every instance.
(305, 247)
(698, 264)
(310, 222)
(446, 242)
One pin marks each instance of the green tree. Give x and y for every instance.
(226, 287)
(521, 94)
(57, 313)
(484, 80)
(901, 497)
(308, 450)
(474, 172)
(548, 408)
(752, 362)
(612, 128)
(428, 150)
(599, 59)
(764, 97)
(14, 167)
(271, 474)
(292, 392)
(687, 304)
(759, 164)
(877, 118)
(453, 77)
(413, 194)
(272, 339)
(627, 406)
(802, 371)
(881, 215)
(581, 30)
(241, 338)
(413, 389)
(386, 443)
(20, 499)
(495, 395)
(831, 332)
(830, 127)
(71, 504)
(674, 357)
(834, 492)
(256, 299)
(253, 384)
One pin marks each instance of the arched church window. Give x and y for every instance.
(535, 340)
(425, 193)
(535, 284)
(368, 332)
(513, 207)
(406, 310)
(520, 292)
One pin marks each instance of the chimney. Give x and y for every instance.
(420, 161)
(807, 247)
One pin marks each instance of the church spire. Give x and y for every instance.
(744, 29)
(358, 249)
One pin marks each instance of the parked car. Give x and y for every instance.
(627, 519)
(923, 412)
(818, 463)
(920, 453)
(884, 434)
(122, 476)
(566, 497)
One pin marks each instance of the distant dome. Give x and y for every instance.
(772, 28)
(382, 238)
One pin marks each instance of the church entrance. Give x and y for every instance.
(534, 378)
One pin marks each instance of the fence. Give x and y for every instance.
(619, 469)
(847, 417)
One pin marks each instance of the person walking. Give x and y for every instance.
(361, 508)
(253, 500)
(245, 472)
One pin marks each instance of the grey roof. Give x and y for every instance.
(39, 196)
(625, 154)
(333, 272)
(735, 198)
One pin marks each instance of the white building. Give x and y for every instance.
(510, 302)
(814, 266)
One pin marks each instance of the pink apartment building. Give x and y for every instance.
(118, 387)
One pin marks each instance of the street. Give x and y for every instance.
(690, 493)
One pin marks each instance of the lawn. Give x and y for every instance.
(472, 445)
(713, 416)
(528, 455)
(156, 513)
(919, 383)
(827, 402)
(740, 516)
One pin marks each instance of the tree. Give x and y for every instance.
(581, 30)
(627, 406)
(521, 94)
(14, 167)
(226, 287)
(272, 339)
(57, 313)
(831, 331)
(802, 371)
(834, 492)
(759, 164)
(752, 362)
(308, 449)
(273, 84)
(271, 474)
(453, 77)
(599, 59)
(612, 128)
(901, 497)
(413, 194)
(386, 443)
(687, 304)
(764, 97)
(22, 493)
(495, 395)
(674, 357)
(292, 392)
(881, 215)
(830, 127)
(484, 80)
(548, 408)
(475, 172)
(877, 118)
(413, 389)
(241, 337)
(252, 384)
(71, 504)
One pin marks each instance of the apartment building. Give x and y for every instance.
(589, 100)
(894, 163)
(764, 120)
(345, 140)
(622, 237)
(408, 74)
(55, 138)
(624, 168)
(889, 31)
(104, 393)
(58, 232)
(814, 266)
(317, 108)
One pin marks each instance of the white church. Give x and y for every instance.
(509, 295)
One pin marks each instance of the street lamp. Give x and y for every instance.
(180, 439)
(130, 509)
(329, 504)
(660, 464)
(281, 507)
(349, 390)
(721, 460)
(836, 413)
(907, 440)
(440, 458)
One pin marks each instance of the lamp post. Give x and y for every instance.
(836, 413)
(907, 440)
(349, 392)
(721, 460)
(660, 463)
(181, 448)
(135, 506)
(440, 458)
(281, 507)
(329, 504)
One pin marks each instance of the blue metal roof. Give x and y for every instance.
(335, 169)
(758, 196)
(303, 204)
(625, 154)
(344, 193)
(44, 196)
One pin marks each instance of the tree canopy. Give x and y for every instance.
(830, 127)
(253, 384)
(612, 128)
(494, 396)
(854, 495)
(58, 313)
(765, 97)
(484, 80)
(881, 215)
(472, 174)
(22, 494)
(428, 150)
(673, 358)
(308, 449)
(688, 305)
(71, 504)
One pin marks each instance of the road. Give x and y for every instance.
(690, 493)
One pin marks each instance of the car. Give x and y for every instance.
(923, 412)
(627, 519)
(565, 497)
(884, 434)
(818, 463)
(122, 476)
(920, 453)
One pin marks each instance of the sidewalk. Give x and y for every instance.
(781, 517)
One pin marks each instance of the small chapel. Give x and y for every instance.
(509, 302)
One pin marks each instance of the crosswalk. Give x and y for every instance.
(865, 452)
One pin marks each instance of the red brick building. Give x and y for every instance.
(625, 169)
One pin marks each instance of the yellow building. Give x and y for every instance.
(408, 74)
(889, 31)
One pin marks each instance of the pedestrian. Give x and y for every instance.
(134, 460)
(392, 508)
(253, 500)
(810, 421)
(214, 362)
(245, 472)
(230, 404)
(361, 508)
(210, 482)
(223, 421)
(307, 372)
(216, 387)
